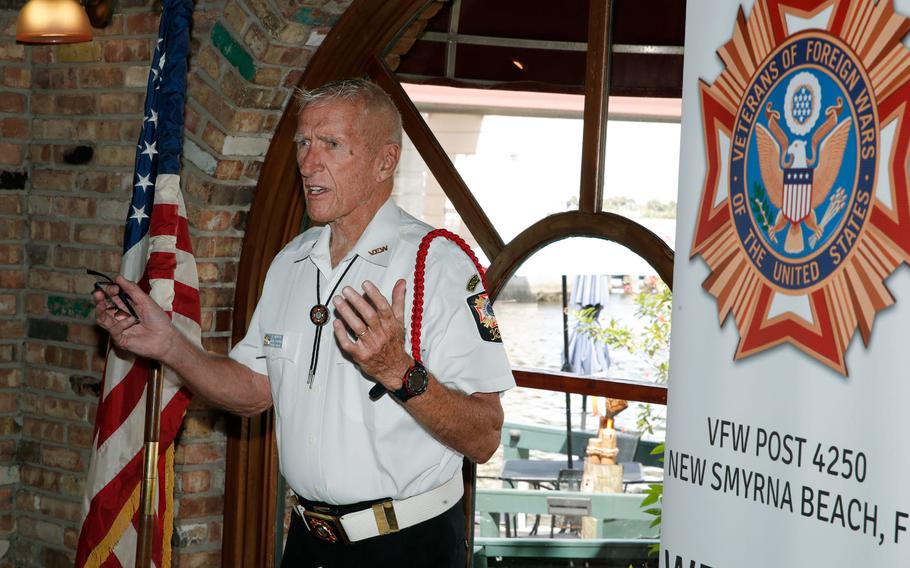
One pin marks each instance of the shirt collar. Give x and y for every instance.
(375, 244)
(381, 235)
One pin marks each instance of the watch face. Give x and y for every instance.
(417, 380)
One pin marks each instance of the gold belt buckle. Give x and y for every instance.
(386, 521)
(324, 526)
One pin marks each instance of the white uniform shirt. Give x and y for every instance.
(335, 444)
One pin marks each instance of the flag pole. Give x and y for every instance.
(149, 467)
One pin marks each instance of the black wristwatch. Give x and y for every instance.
(415, 383)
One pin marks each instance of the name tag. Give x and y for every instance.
(275, 340)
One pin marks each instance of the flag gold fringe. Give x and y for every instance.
(105, 548)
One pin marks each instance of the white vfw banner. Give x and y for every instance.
(789, 401)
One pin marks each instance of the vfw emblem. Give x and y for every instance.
(805, 208)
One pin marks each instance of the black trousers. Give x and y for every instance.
(436, 543)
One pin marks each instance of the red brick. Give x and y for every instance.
(79, 52)
(70, 538)
(55, 78)
(103, 182)
(198, 481)
(99, 234)
(293, 78)
(43, 430)
(14, 128)
(195, 507)
(208, 247)
(63, 458)
(73, 206)
(85, 334)
(12, 278)
(209, 61)
(208, 272)
(42, 103)
(48, 380)
(17, 77)
(43, 279)
(50, 505)
(8, 401)
(100, 78)
(61, 180)
(115, 155)
(9, 353)
(36, 304)
(10, 51)
(213, 137)
(208, 220)
(118, 50)
(53, 481)
(199, 425)
(80, 436)
(212, 297)
(8, 426)
(64, 409)
(10, 204)
(12, 228)
(10, 378)
(12, 329)
(8, 449)
(229, 169)
(142, 24)
(121, 103)
(53, 129)
(108, 130)
(49, 231)
(190, 454)
(11, 154)
(11, 254)
(43, 54)
(75, 104)
(76, 359)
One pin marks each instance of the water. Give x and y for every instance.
(533, 337)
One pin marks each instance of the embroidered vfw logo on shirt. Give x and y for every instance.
(482, 310)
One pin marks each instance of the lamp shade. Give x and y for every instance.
(53, 21)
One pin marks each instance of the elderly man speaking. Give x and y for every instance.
(377, 478)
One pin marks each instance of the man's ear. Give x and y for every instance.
(390, 153)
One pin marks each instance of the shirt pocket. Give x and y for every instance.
(281, 358)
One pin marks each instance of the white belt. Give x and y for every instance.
(392, 516)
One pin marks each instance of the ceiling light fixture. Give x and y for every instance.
(518, 64)
(53, 21)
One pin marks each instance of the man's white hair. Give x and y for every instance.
(360, 91)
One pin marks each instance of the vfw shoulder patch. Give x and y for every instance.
(805, 209)
(482, 310)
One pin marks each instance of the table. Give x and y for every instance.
(546, 472)
(539, 472)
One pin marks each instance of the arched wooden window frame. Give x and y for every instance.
(355, 47)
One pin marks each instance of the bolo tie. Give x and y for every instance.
(319, 315)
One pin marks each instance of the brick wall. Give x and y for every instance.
(69, 120)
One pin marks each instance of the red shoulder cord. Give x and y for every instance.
(419, 269)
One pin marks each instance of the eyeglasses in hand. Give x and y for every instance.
(120, 295)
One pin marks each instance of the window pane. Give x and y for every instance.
(642, 168)
(518, 152)
(617, 284)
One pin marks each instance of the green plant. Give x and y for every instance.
(652, 501)
(652, 344)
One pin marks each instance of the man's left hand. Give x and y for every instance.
(378, 330)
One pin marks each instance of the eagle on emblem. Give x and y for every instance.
(795, 182)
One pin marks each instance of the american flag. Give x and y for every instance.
(157, 254)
